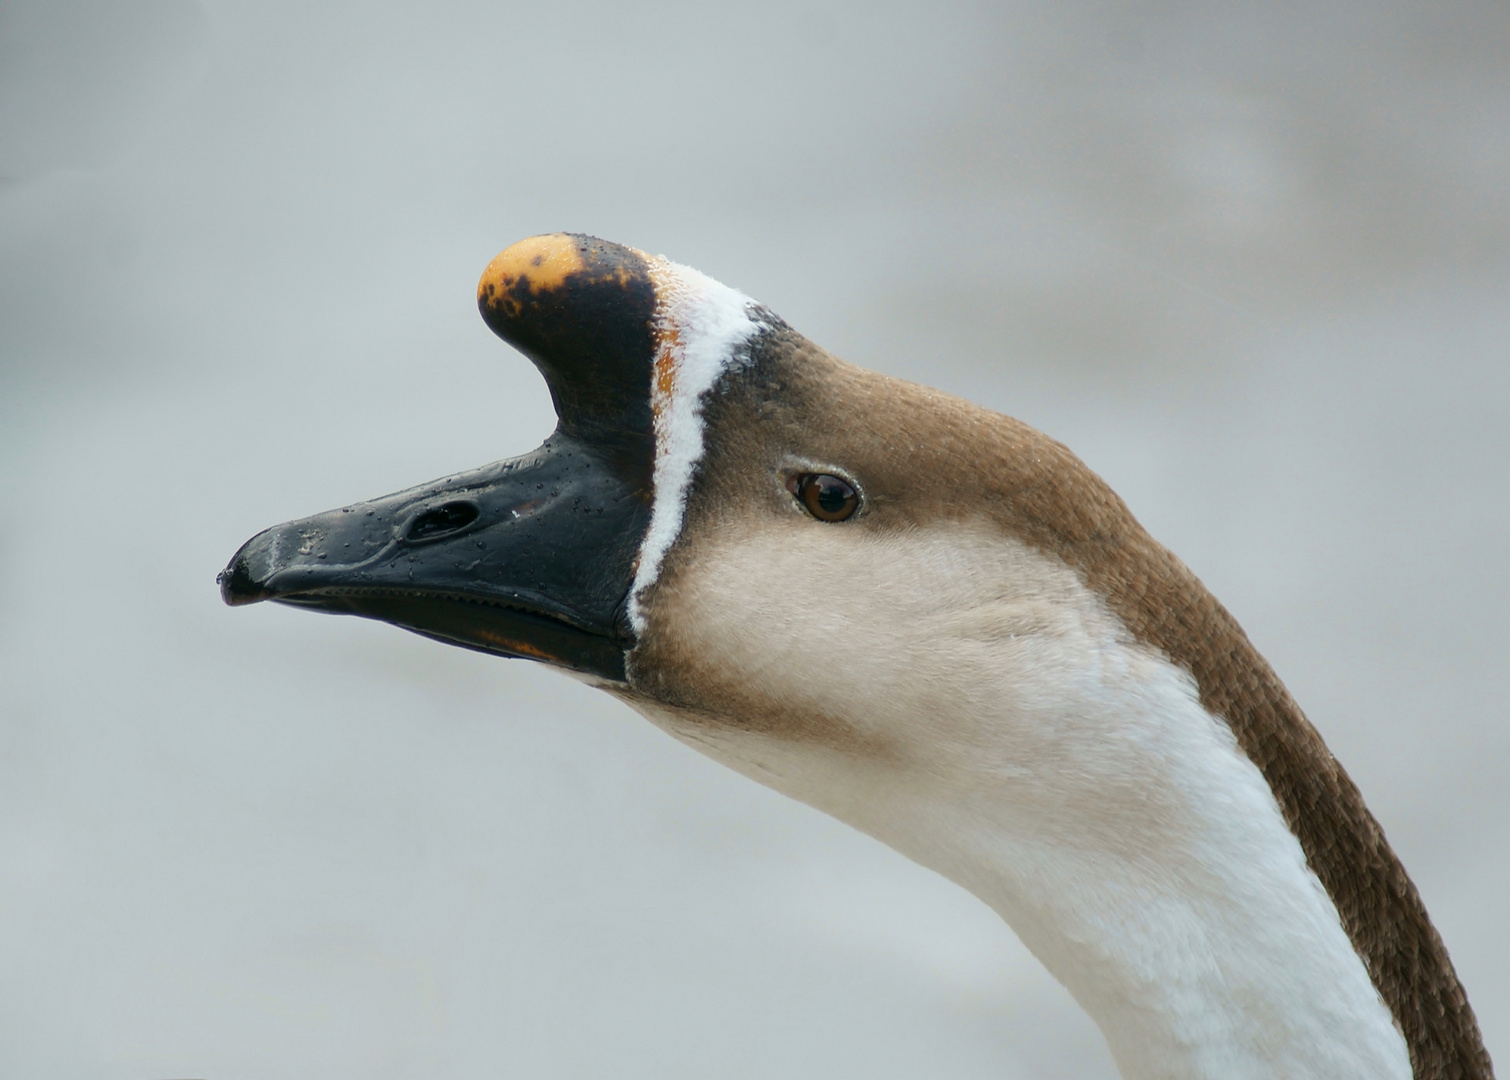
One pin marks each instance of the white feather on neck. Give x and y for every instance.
(1035, 754)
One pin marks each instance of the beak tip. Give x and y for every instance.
(237, 586)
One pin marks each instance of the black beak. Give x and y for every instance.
(531, 557)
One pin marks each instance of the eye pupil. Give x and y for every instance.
(827, 497)
(832, 497)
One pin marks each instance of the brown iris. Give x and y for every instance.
(826, 497)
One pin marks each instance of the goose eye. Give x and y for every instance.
(826, 497)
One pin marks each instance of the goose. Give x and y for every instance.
(934, 623)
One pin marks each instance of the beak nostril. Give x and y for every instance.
(441, 521)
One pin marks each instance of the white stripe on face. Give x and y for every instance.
(701, 325)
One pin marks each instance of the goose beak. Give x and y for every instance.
(531, 558)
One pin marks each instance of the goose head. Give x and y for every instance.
(934, 623)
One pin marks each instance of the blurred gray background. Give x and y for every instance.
(1250, 261)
